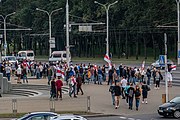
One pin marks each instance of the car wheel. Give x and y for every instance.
(177, 114)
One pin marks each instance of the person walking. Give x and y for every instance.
(145, 88)
(49, 74)
(79, 84)
(148, 73)
(169, 79)
(123, 84)
(72, 86)
(126, 92)
(157, 78)
(138, 92)
(111, 90)
(131, 92)
(53, 89)
(100, 76)
(8, 71)
(24, 75)
(19, 72)
(117, 93)
(59, 85)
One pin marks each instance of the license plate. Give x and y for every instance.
(161, 111)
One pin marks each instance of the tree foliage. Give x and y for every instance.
(131, 21)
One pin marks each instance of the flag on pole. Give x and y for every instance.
(59, 72)
(108, 60)
(173, 67)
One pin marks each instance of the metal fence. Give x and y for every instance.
(25, 105)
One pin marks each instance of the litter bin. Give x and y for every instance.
(163, 98)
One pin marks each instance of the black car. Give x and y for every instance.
(171, 108)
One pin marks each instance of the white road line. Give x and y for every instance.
(131, 119)
(123, 118)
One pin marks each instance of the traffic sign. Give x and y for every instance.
(161, 60)
(178, 54)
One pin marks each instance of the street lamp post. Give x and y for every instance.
(107, 22)
(49, 15)
(178, 15)
(67, 34)
(5, 42)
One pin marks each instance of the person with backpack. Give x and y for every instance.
(145, 88)
(131, 92)
(126, 92)
(138, 92)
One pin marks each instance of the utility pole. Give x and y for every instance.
(67, 33)
(166, 69)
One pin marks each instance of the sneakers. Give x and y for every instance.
(143, 102)
(146, 102)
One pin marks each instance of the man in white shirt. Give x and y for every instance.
(19, 72)
(169, 79)
(8, 72)
(123, 84)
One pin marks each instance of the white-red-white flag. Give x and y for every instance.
(59, 72)
(107, 58)
(173, 67)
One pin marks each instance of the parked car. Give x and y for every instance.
(171, 108)
(10, 59)
(38, 116)
(68, 117)
(157, 64)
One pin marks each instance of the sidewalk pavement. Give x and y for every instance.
(100, 99)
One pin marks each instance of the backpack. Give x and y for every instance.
(137, 93)
(131, 93)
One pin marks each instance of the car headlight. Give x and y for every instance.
(171, 108)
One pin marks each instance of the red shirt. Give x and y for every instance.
(59, 84)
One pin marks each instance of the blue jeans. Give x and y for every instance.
(131, 102)
(137, 102)
(8, 75)
(73, 91)
(38, 75)
(113, 98)
(25, 78)
(99, 79)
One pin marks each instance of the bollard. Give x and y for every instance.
(14, 106)
(52, 105)
(163, 98)
(88, 104)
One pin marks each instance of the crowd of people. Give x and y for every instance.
(125, 82)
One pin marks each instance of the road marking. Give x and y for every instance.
(123, 118)
(131, 119)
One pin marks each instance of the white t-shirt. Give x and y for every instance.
(123, 82)
(19, 71)
(169, 76)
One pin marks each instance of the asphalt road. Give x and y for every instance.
(154, 116)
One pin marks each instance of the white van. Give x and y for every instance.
(25, 55)
(59, 56)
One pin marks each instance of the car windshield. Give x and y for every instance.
(11, 58)
(22, 54)
(175, 100)
(57, 55)
(30, 54)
